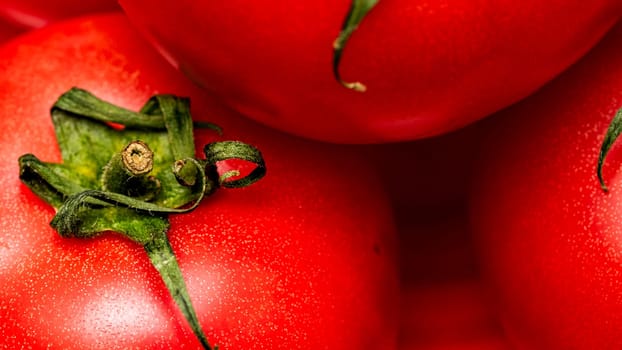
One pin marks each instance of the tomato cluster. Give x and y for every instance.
(488, 235)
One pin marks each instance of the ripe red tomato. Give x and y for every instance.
(37, 13)
(430, 67)
(550, 238)
(305, 258)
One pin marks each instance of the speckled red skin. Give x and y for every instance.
(305, 258)
(37, 13)
(430, 66)
(550, 238)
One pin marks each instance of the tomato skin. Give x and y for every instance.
(37, 13)
(304, 258)
(549, 236)
(430, 67)
(8, 31)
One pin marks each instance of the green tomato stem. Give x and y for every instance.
(163, 259)
(613, 132)
(127, 172)
(358, 10)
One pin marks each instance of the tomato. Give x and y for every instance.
(37, 13)
(429, 67)
(304, 258)
(548, 234)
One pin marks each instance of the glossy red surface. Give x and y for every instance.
(430, 66)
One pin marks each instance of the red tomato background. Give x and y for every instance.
(449, 316)
(550, 238)
(427, 173)
(19, 16)
(430, 67)
(306, 257)
(9, 30)
(445, 305)
(37, 13)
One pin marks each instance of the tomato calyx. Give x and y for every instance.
(126, 171)
(358, 10)
(612, 134)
